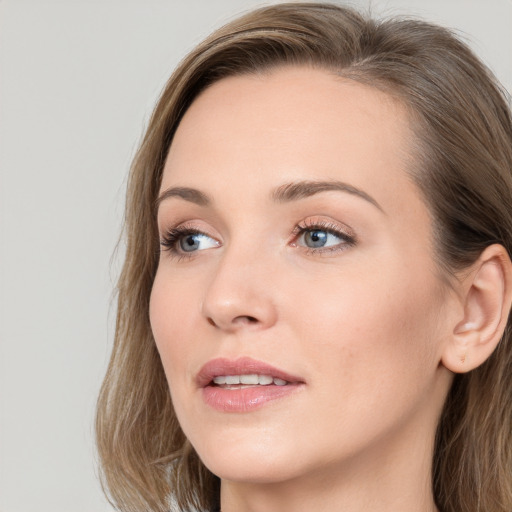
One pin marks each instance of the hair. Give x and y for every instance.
(462, 132)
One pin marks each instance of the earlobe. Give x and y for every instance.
(486, 296)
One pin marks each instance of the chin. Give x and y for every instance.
(261, 472)
(249, 460)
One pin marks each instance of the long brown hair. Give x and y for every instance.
(463, 134)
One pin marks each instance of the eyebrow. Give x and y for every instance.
(188, 194)
(282, 194)
(302, 189)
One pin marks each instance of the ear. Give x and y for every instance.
(486, 296)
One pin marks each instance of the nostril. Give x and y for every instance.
(245, 319)
(233, 323)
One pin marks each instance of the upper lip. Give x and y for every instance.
(240, 366)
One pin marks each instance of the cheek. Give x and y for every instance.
(373, 331)
(168, 303)
(173, 324)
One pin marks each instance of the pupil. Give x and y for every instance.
(189, 243)
(316, 238)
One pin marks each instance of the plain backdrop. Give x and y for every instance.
(78, 79)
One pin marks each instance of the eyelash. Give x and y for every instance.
(170, 239)
(173, 236)
(349, 239)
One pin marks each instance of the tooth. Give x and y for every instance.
(265, 380)
(232, 379)
(279, 382)
(219, 380)
(249, 379)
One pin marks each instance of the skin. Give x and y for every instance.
(365, 324)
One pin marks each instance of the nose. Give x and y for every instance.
(240, 294)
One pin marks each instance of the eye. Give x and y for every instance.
(316, 238)
(195, 242)
(183, 240)
(322, 237)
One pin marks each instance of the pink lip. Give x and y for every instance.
(248, 398)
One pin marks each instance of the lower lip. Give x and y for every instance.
(245, 399)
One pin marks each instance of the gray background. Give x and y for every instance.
(77, 83)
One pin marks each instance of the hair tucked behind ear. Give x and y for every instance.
(464, 159)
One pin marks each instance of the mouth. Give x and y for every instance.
(243, 371)
(247, 380)
(244, 384)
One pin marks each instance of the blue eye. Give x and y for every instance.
(181, 240)
(319, 237)
(316, 238)
(196, 242)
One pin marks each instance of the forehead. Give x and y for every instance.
(257, 131)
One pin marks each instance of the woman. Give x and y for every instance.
(313, 308)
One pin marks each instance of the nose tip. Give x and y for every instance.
(234, 302)
(238, 314)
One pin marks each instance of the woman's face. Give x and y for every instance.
(296, 259)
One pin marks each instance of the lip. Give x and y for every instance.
(244, 399)
(240, 366)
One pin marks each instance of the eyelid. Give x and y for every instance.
(326, 224)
